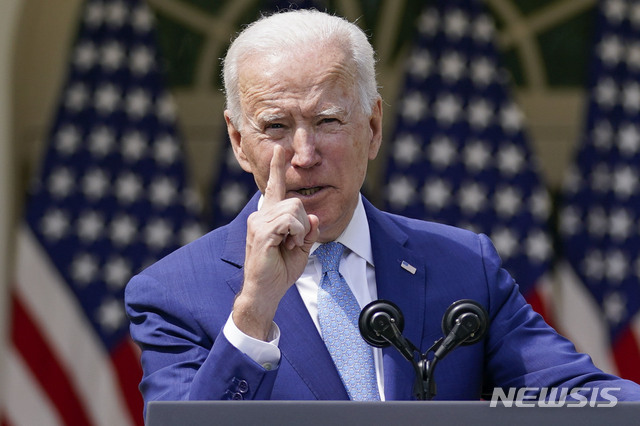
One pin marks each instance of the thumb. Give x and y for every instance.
(313, 234)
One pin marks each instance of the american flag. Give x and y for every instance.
(601, 204)
(110, 198)
(459, 153)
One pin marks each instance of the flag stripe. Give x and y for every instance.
(626, 353)
(45, 367)
(126, 360)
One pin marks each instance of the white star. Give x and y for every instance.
(95, 184)
(452, 66)
(505, 241)
(606, 93)
(54, 224)
(634, 15)
(67, 140)
(123, 230)
(116, 14)
(428, 22)
(76, 97)
(94, 14)
(84, 269)
(85, 55)
(483, 29)
(510, 160)
(540, 204)
(480, 113)
(573, 181)
(456, 24)
(442, 151)
(603, 135)
(401, 191)
(633, 55)
(128, 187)
(507, 201)
(413, 106)
(112, 54)
(102, 141)
(117, 272)
(190, 232)
(420, 63)
(611, 50)
(570, 221)
(163, 191)
(483, 71)
(233, 196)
(447, 109)
(615, 11)
(621, 223)
(476, 156)
(511, 118)
(90, 226)
(166, 108)
(472, 197)
(142, 19)
(625, 182)
(111, 315)
(631, 97)
(597, 222)
(134, 146)
(166, 150)
(141, 60)
(617, 266)
(629, 139)
(61, 182)
(538, 246)
(436, 194)
(107, 99)
(406, 149)
(157, 234)
(615, 307)
(601, 178)
(137, 103)
(593, 265)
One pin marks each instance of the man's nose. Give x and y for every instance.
(305, 152)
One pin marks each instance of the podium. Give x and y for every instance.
(404, 413)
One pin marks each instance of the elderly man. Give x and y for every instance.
(265, 307)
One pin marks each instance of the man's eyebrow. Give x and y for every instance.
(331, 111)
(268, 117)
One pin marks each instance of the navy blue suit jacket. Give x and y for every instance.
(179, 306)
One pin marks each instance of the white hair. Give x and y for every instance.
(286, 32)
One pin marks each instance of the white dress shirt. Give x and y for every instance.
(356, 266)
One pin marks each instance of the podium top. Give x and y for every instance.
(407, 413)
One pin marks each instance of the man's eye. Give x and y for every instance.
(328, 120)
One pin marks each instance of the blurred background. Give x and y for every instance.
(516, 118)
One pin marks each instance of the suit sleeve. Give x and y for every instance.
(181, 360)
(523, 351)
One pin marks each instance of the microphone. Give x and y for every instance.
(381, 324)
(464, 323)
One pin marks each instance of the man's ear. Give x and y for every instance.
(375, 125)
(236, 143)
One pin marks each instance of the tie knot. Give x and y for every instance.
(329, 255)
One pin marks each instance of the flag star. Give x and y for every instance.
(634, 15)
(141, 60)
(615, 308)
(94, 14)
(506, 242)
(510, 160)
(480, 113)
(166, 108)
(447, 109)
(95, 184)
(615, 10)
(633, 56)
(101, 141)
(61, 182)
(54, 224)
(413, 107)
(76, 97)
(625, 182)
(232, 197)
(456, 24)
(116, 14)
(472, 197)
(507, 201)
(452, 66)
(67, 140)
(90, 226)
(511, 118)
(602, 134)
(128, 187)
(476, 156)
(406, 149)
(85, 55)
(142, 19)
(107, 99)
(419, 64)
(605, 93)
(137, 103)
(157, 234)
(111, 315)
(123, 230)
(166, 150)
(601, 178)
(540, 204)
(84, 269)
(401, 191)
(538, 246)
(570, 221)
(112, 55)
(631, 97)
(428, 22)
(436, 194)
(611, 50)
(593, 265)
(573, 181)
(629, 139)
(442, 151)
(134, 146)
(483, 71)
(190, 232)
(616, 266)
(597, 222)
(163, 191)
(483, 29)
(117, 272)
(191, 199)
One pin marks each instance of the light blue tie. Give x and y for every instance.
(338, 313)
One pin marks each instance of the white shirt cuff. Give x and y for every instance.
(267, 354)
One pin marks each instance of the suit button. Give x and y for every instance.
(243, 386)
(237, 396)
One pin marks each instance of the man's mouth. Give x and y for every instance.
(308, 191)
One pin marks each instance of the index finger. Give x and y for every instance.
(276, 186)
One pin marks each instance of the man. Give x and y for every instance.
(241, 312)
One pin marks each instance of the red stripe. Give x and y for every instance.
(42, 362)
(537, 302)
(627, 355)
(127, 365)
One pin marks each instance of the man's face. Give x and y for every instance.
(306, 102)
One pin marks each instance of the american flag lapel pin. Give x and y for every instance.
(407, 267)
